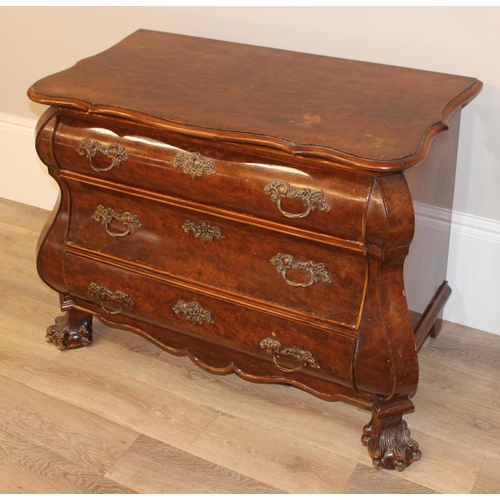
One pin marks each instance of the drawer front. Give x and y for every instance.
(287, 344)
(323, 281)
(215, 174)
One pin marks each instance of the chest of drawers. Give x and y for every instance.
(275, 214)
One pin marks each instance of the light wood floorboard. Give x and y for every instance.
(367, 480)
(122, 416)
(151, 466)
(488, 480)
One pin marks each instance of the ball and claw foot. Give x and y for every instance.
(71, 331)
(389, 443)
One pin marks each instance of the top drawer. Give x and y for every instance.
(331, 202)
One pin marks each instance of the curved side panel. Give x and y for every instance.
(400, 333)
(386, 358)
(50, 245)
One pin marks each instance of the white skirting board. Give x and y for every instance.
(24, 176)
(474, 258)
(474, 273)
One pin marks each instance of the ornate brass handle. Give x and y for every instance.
(106, 215)
(194, 164)
(278, 190)
(116, 154)
(276, 349)
(193, 312)
(316, 272)
(102, 293)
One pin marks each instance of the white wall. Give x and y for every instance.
(38, 41)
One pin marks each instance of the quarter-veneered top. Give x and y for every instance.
(371, 115)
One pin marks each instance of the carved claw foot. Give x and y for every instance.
(389, 443)
(71, 331)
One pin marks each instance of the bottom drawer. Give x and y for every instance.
(290, 344)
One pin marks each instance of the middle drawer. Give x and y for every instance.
(320, 280)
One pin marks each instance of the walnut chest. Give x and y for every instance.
(263, 212)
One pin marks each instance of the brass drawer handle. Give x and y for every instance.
(102, 293)
(276, 349)
(116, 154)
(106, 215)
(193, 312)
(194, 164)
(317, 272)
(278, 190)
(202, 230)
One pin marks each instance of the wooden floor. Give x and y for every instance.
(122, 416)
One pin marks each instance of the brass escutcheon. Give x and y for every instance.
(278, 190)
(106, 215)
(276, 349)
(202, 230)
(103, 294)
(316, 272)
(194, 164)
(116, 154)
(193, 312)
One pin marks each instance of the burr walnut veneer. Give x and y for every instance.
(279, 215)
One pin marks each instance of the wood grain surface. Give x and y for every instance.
(122, 416)
(315, 99)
